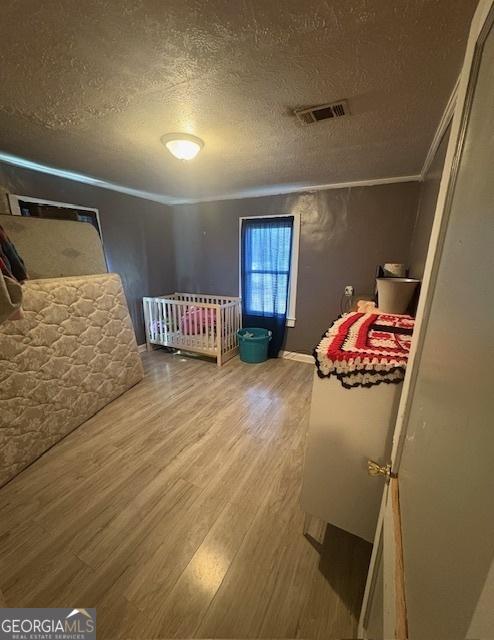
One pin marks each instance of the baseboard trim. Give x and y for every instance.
(299, 357)
(287, 355)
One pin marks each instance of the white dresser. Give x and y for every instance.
(346, 428)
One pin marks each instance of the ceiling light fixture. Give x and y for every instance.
(183, 146)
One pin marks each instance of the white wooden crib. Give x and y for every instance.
(194, 322)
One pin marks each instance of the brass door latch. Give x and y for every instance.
(375, 469)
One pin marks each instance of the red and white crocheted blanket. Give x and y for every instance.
(365, 349)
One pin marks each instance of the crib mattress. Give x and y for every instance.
(74, 352)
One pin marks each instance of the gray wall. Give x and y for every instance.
(429, 190)
(137, 233)
(345, 233)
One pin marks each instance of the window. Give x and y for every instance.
(269, 264)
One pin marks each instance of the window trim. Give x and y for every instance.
(292, 286)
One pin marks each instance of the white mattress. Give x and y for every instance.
(74, 352)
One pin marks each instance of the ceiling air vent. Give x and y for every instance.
(310, 115)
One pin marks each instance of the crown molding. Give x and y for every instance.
(171, 200)
(441, 129)
(279, 190)
(80, 177)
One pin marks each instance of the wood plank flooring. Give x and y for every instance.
(174, 511)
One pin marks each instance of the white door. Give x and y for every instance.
(432, 569)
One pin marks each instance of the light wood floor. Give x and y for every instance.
(175, 512)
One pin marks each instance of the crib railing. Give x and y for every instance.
(199, 323)
(196, 298)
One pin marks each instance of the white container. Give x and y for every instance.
(394, 294)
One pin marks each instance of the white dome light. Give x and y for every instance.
(182, 145)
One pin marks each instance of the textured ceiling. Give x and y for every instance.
(91, 85)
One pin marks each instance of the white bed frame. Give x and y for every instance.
(163, 319)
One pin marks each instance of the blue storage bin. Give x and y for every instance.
(253, 344)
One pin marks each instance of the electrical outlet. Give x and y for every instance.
(349, 290)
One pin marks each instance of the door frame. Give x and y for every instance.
(481, 24)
